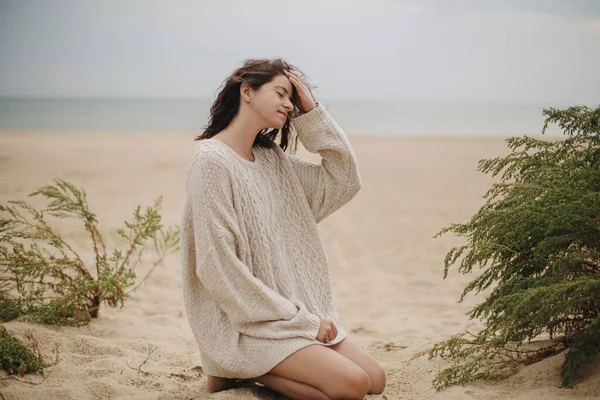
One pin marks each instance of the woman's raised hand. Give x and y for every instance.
(305, 100)
(327, 331)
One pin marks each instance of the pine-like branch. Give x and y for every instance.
(536, 240)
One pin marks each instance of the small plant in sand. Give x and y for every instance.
(15, 357)
(18, 359)
(43, 279)
(537, 241)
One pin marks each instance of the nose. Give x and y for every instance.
(288, 104)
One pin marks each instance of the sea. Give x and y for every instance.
(364, 117)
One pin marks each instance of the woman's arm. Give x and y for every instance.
(336, 180)
(252, 307)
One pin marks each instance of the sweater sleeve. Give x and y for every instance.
(251, 307)
(336, 180)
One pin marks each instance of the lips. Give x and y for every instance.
(282, 113)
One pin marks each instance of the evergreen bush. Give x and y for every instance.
(537, 242)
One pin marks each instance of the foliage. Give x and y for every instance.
(537, 241)
(15, 357)
(42, 277)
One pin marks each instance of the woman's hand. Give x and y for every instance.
(327, 331)
(305, 100)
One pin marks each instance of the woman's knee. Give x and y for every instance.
(352, 385)
(378, 381)
(327, 370)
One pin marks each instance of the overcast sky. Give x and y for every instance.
(524, 51)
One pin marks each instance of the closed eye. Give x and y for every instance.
(284, 90)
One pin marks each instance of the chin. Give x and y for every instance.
(278, 125)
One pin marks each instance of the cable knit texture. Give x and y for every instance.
(256, 280)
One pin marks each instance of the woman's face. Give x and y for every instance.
(273, 101)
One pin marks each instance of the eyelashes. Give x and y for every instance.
(280, 95)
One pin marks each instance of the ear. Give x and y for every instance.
(245, 92)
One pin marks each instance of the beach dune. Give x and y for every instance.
(387, 269)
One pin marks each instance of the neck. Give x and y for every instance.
(242, 130)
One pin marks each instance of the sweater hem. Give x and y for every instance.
(271, 359)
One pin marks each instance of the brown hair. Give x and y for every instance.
(255, 72)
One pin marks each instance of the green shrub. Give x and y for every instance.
(537, 241)
(43, 279)
(15, 357)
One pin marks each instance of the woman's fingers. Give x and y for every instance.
(290, 75)
(328, 331)
(333, 333)
(293, 78)
(305, 99)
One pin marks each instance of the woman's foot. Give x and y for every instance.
(216, 384)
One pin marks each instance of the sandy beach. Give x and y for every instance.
(386, 267)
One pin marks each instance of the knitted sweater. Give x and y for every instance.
(255, 275)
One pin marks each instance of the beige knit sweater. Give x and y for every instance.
(255, 275)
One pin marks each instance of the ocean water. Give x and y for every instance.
(355, 117)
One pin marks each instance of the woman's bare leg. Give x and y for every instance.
(292, 389)
(300, 390)
(216, 384)
(326, 370)
(364, 360)
(297, 390)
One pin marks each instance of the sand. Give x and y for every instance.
(386, 267)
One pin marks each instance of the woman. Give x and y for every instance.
(256, 282)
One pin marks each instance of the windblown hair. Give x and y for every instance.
(255, 72)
